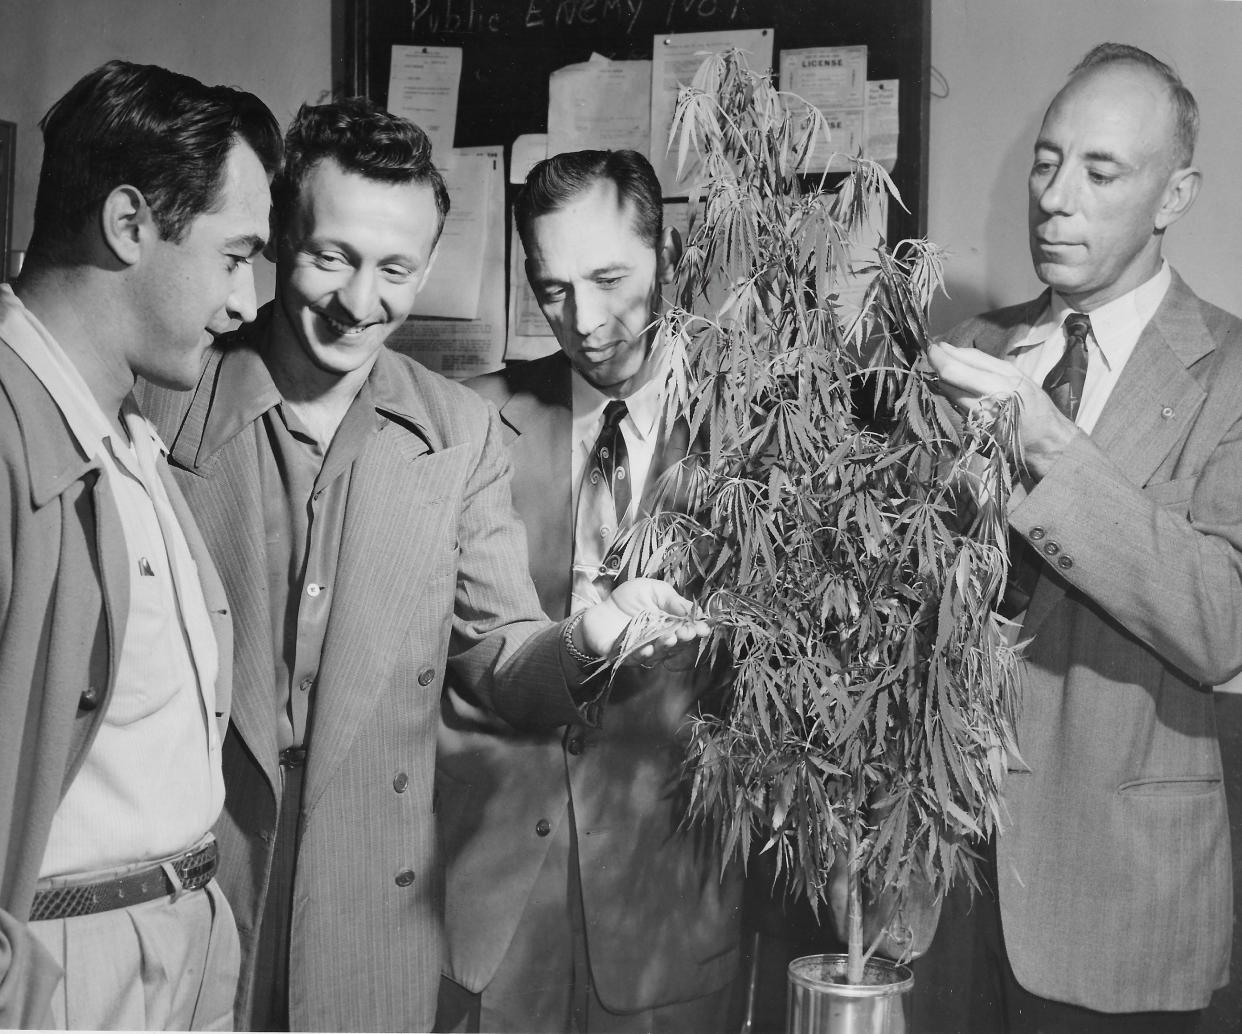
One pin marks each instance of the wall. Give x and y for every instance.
(280, 50)
(1002, 61)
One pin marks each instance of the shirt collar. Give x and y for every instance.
(1115, 327)
(245, 389)
(50, 363)
(644, 406)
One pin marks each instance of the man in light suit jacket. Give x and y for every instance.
(1112, 909)
(358, 507)
(115, 639)
(575, 900)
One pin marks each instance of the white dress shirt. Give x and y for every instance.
(1115, 330)
(594, 517)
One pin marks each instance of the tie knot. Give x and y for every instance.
(1077, 327)
(614, 413)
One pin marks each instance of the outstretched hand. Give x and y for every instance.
(676, 624)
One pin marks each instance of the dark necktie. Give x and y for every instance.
(1064, 384)
(612, 459)
(1065, 380)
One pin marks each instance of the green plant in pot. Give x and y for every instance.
(847, 539)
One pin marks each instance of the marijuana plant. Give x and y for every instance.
(847, 539)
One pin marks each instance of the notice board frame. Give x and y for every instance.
(511, 46)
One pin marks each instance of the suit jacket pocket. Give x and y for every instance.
(1177, 786)
(1173, 495)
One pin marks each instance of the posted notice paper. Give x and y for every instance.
(834, 80)
(423, 86)
(600, 104)
(463, 347)
(675, 59)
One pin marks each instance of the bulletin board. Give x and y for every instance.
(510, 47)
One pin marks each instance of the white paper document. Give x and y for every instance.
(464, 347)
(675, 59)
(452, 288)
(600, 104)
(422, 86)
(834, 80)
(882, 122)
(528, 150)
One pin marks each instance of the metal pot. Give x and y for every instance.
(821, 1002)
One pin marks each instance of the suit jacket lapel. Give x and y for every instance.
(1155, 399)
(542, 451)
(225, 495)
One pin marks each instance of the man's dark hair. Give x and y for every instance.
(556, 181)
(360, 137)
(1185, 107)
(161, 132)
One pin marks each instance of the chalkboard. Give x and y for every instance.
(509, 47)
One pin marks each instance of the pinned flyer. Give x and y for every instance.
(422, 86)
(834, 80)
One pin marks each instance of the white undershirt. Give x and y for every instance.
(151, 784)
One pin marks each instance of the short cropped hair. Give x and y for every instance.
(1185, 107)
(163, 133)
(556, 181)
(363, 138)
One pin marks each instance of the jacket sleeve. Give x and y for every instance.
(28, 976)
(504, 650)
(1164, 561)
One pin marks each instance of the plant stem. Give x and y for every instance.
(854, 963)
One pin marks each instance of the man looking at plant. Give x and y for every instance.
(1112, 877)
(114, 631)
(358, 508)
(575, 901)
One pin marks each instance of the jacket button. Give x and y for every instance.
(543, 827)
(405, 877)
(1064, 563)
(425, 676)
(89, 700)
(400, 781)
(1051, 548)
(575, 745)
(1035, 534)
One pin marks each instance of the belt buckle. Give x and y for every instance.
(196, 869)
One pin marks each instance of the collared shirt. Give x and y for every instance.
(1115, 330)
(151, 783)
(594, 518)
(305, 489)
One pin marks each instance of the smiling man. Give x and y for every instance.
(576, 900)
(114, 636)
(358, 507)
(1111, 904)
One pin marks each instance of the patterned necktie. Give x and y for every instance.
(611, 458)
(1064, 384)
(1065, 380)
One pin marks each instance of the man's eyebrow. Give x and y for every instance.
(251, 243)
(1105, 156)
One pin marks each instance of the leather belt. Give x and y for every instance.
(195, 869)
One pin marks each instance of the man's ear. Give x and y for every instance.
(1179, 195)
(126, 222)
(668, 255)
